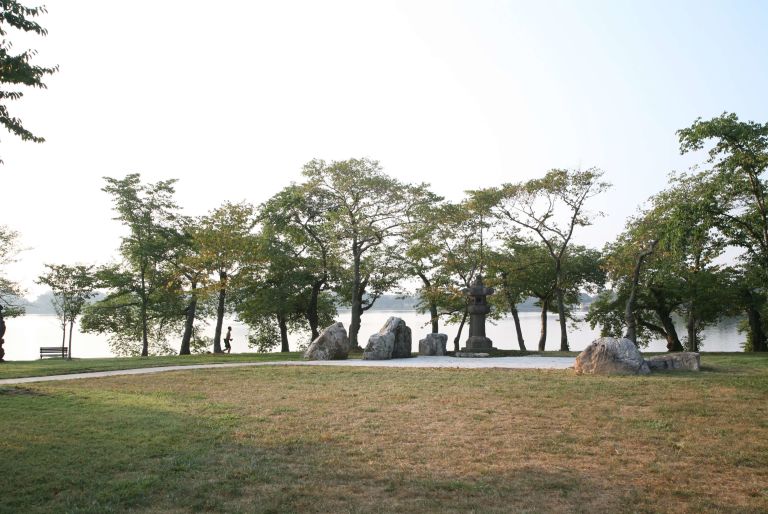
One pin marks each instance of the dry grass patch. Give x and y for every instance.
(415, 440)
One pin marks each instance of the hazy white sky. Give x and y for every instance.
(232, 98)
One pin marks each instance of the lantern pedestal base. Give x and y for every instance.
(478, 344)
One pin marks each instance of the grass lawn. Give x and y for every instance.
(45, 367)
(317, 439)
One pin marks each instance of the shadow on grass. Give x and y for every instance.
(98, 451)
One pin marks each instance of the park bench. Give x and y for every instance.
(53, 351)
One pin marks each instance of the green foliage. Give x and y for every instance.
(548, 209)
(681, 276)
(11, 292)
(299, 238)
(120, 316)
(72, 287)
(734, 194)
(445, 250)
(16, 69)
(369, 209)
(144, 302)
(225, 247)
(277, 295)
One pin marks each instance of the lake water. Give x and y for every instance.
(25, 335)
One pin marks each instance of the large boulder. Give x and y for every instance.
(379, 347)
(687, 361)
(611, 356)
(331, 344)
(393, 341)
(433, 344)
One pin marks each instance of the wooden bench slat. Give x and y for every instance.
(53, 351)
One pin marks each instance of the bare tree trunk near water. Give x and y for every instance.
(457, 339)
(543, 336)
(220, 312)
(189, 323)
(518, 328)
(283, 325)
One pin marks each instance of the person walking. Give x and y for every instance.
(227, 340)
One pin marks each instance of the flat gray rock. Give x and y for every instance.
(684, 361)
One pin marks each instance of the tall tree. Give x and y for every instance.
(72, 287)
(424, 239)
(299, 217)
(370, 208)
(274, 296)
(139, 285)
(737, 198)
(681, 275)
(447, 254)
(187, 275)
(549, 208)
(226, 245)
(16, 69)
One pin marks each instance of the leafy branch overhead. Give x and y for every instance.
(16, 69)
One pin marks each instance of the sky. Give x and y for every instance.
(232, 98)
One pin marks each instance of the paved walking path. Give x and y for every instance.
(529, 362)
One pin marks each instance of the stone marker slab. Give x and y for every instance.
(393, 341)
(685, 361)
(433, 344)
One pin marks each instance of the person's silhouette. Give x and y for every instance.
(227, 340)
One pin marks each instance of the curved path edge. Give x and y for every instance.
(528, 362)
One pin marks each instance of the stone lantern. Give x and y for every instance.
(478, 309)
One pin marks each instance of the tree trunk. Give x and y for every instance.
(144, 302)
(561, 306)
(312, 316)
(354, 325)
(756, 332)
(457, 339)
(518, 329)
(71, 326)
(670, 332)
(144, 328)
(543, 336)
(220, 312)
(64, 334)
(189, 323)
(691, 325)
(433, 318)
(283, 324)
(513, 310)
(629, 311)
(563, 322)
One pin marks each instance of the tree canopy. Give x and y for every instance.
(16, 69)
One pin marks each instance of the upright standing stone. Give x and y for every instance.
(478, 309)
(433, 344)
(393, 341)
(331, 344)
